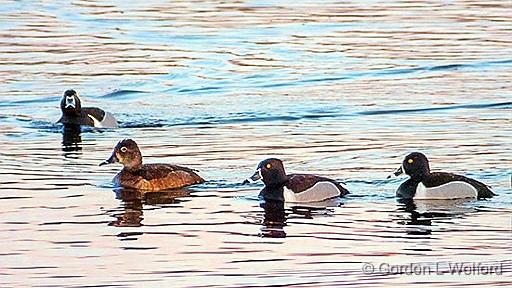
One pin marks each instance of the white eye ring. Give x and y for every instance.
(123, 149)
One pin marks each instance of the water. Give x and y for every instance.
(340, 89)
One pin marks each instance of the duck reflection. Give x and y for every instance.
(422, 213)
(274, 219)
(71, 140)
(276, 214)
(133, 201)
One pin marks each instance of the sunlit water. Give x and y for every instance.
(340, 89)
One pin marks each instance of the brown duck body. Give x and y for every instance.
(156, 177)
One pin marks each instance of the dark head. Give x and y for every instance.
(415, 165)
(271, 171)
(70, 103)
(127, 153)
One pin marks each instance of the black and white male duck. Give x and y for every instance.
(148, 177)
(424, 184)
(294, 187)
(73, 114)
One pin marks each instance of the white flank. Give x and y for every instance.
(320, 191)
(96, 122)
(108, 121)
(452, 190)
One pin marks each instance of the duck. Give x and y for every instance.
(424, 184)
(148, 177)
(73, 114)
(295, 188)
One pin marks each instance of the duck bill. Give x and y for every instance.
(255, 177)
(397, 172)
(111, 160)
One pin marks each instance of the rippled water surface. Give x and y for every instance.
(342, 89)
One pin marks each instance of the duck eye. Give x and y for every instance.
(268, 166)
(123, 149)
(410, 161)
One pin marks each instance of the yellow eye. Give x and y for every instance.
(268, 166)
(123, 149)
(410, 161)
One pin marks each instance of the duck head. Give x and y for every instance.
(271, 172)
(127, 153)
(70, 103)
(415, 165)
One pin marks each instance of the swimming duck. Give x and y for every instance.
(73, 114)
(148, 177)
(294, 187)
(424, 184)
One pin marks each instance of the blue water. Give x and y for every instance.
(343, 90)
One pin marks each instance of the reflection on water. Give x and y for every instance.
(423, 212)
(133, 202)
(274, 219)
(71, 139)
(276, 213)
(341, 89)
(131, 216)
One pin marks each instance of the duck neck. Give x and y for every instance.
(277, 183)
(274, 179)
(420, 175)
(134, 165)
(71, 112)
(272, 194)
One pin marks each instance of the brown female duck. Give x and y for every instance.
(148, 177)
